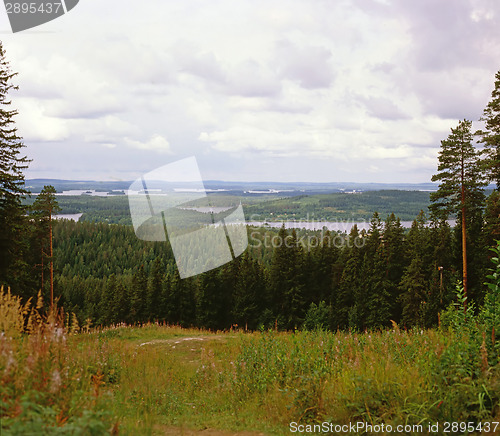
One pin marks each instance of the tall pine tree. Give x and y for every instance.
(461, 187)
(44, 208)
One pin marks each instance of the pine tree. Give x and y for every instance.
(490, 136)
(43, 208)
(461, 185)
(12, 190)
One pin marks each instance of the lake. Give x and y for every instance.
(343, 226)
(68, 216)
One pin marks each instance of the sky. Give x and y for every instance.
(280, 90)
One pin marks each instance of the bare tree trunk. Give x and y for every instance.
(464, 240)
(42, 266)
(51, 264)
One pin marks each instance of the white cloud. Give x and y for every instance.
(156, 143)
(353, 85)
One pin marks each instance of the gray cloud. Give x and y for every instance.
(383, 108)
(309, 66)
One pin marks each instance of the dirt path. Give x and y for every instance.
(176, 431)
(180, 339)
(192, 345)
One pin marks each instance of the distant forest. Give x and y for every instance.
(322, 207)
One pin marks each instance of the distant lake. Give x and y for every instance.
(334, 226)
(68, 216)
(91, 192)
(207, 209)
(315, 225)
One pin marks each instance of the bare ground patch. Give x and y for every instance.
(178, 340)
(178, 431)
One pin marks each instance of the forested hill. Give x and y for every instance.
(320, 207)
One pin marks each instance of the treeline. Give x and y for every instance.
(286, 279)
(341, 206)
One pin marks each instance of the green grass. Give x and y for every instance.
(264, 381)
(158, 380)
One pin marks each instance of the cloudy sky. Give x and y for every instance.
(281, 90)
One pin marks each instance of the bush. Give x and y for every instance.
(45, 387)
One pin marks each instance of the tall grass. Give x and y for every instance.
(150, 379)
(46, 385)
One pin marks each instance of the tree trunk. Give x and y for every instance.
(42, 266)
(464, 241)
(51, 264)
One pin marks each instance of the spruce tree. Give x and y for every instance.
(138, 296)
(396, 261)
(209, 301)
(418, 243)
(286, 277)
(12, 190)
(492, 219)
(324, 271)
(373, 302)
(344, 314)
(249, 293)
(155, 288)
(413, 296)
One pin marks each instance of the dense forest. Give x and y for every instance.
(286, 278)
(104, 274)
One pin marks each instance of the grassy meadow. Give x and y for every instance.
(57, 378)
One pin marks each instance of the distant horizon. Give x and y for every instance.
(288, 182)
